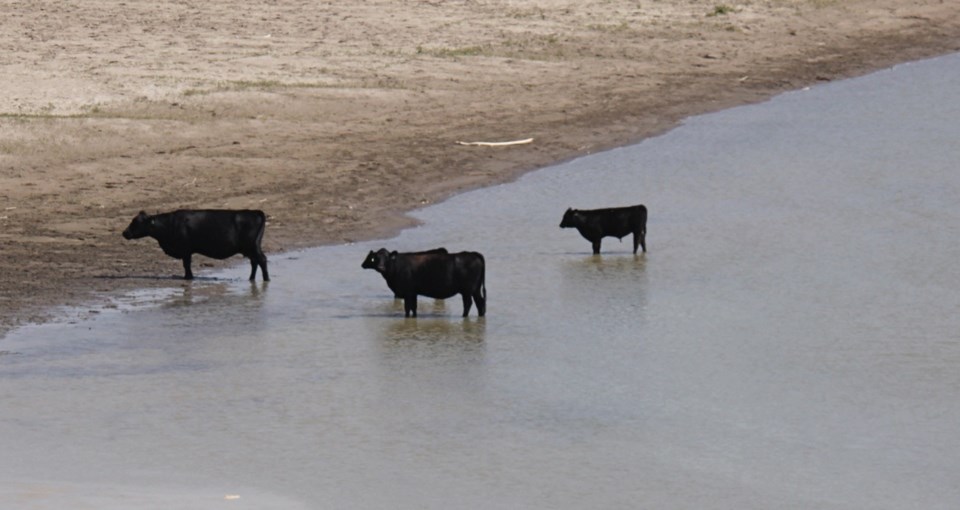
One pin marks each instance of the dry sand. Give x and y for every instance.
(336, 117)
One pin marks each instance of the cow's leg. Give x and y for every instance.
(410, 306)
(263, 267)
(638, 241)
(467, 303)
(260, 259)
(596, 247)
(481, 299)
(187, 273)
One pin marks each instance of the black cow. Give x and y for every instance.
(370, 263)
(215, 233)
(617, 222)
(435, 274)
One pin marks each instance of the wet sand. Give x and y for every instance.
(335, 119)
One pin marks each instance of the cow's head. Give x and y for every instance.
(376, 260)
(569, 219)
(139, 227)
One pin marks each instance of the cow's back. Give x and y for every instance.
(431, 274)
(618, 222)
(436, 275)
(220, 233)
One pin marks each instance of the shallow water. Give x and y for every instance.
(790, 341)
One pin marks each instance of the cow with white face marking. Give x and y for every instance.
(435, 274)
(370, 263)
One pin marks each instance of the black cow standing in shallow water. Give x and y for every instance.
(382, 252)
(435, 274)
(214, 233)
(595, 224)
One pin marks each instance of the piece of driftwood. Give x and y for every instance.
(497, 144)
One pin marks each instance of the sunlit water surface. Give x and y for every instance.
(789, 341)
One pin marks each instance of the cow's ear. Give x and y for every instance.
(393, 254)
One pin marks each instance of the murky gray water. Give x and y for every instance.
(790, 341)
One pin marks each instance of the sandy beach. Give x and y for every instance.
(337, 118)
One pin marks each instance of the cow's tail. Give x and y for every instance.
(263, 226)
(483, 283)
(643, 219)
(483, 277)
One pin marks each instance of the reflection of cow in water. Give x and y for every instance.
(382, 252)
(435, 274)
(216, 233)
(595, 224)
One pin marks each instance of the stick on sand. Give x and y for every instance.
(497, 144)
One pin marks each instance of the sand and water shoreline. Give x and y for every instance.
(335, 119)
